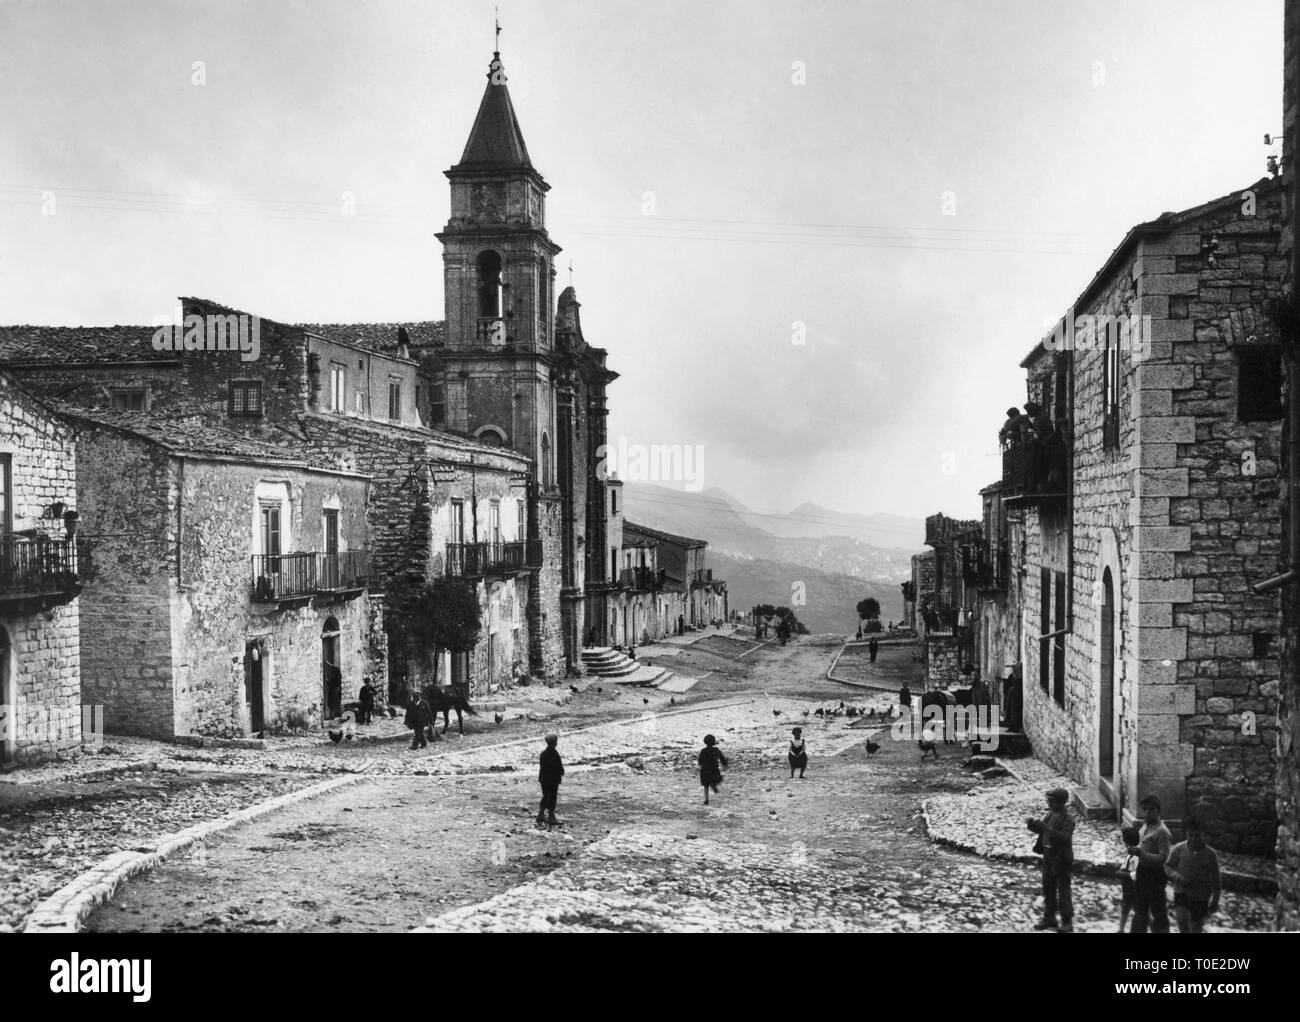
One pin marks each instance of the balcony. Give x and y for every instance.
(701, 576)
(642, 579)
(343, 572)
(490, 330)
(291, 578)
(989, 567)
(471, 560)
(940, 616)
(1035, 473)
(37, 572)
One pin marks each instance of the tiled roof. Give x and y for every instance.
(397, 431)
(59, 344)
(381, 337)
(182, 434)
(664, 537)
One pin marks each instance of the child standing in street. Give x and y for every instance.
(550, 771)
(798, 753)
(1194, 868)
(1128, 878)
(712, 762)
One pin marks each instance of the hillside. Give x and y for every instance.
(732, 529)
(831, 597)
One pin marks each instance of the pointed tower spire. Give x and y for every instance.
(495, 141)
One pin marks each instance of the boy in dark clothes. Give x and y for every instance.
(551, 769)
(367, 700)
(711, 763)
(418, 717)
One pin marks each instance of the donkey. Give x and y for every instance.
(444, 699)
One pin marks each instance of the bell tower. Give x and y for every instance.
(498, 268)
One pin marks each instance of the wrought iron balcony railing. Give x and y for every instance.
(348, 569)
(303, 574)
(474, 559)
(37, 565)
(701, 575)
(1035, 472)
(642, 579)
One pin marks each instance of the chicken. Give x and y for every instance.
(498, 718)
(645, 701)
(805, 713)
(872, 748)
(672, 701)
(820, 712)
(928, 749)
(599, 689)
(573, 688)
(776, 713)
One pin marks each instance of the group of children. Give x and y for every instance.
(711, 761)
(1152, 861)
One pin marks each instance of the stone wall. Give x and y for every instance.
(126, 490)
(1288, 712)
(41, 675)
(1179, 527)
(214, 617)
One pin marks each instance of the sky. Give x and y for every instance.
(815, 238)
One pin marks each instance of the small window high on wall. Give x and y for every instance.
(1259, 385)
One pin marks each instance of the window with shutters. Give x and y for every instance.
(130, 399)
(338, 387)
(394, 398)
(245, 399)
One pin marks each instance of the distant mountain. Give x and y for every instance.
(830, 598)
(877, 546)
(813, 520)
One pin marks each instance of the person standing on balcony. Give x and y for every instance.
(1012, 430)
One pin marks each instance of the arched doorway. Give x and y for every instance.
(254, 689)
(331, 670)
(1106, 721)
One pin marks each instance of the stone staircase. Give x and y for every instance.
(618, 668)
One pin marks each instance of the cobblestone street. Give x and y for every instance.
(446, 841)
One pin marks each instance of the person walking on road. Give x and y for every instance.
(712, 762)
(1056, 845)
(550, 771)
(873, 647)
(418, 717)
(904, 700)
(798, 755)
(1150, 907)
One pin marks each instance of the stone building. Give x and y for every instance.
(945, 598)
(514, 368)
(686, 577)
(997, 625)
(1288, 712)
(230, 591)
(40, 582)
(1148, 507)
(348, 397)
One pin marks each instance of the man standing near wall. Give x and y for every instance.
(1154, 840)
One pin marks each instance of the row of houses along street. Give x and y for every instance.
(1119, 594)
(202, 519)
